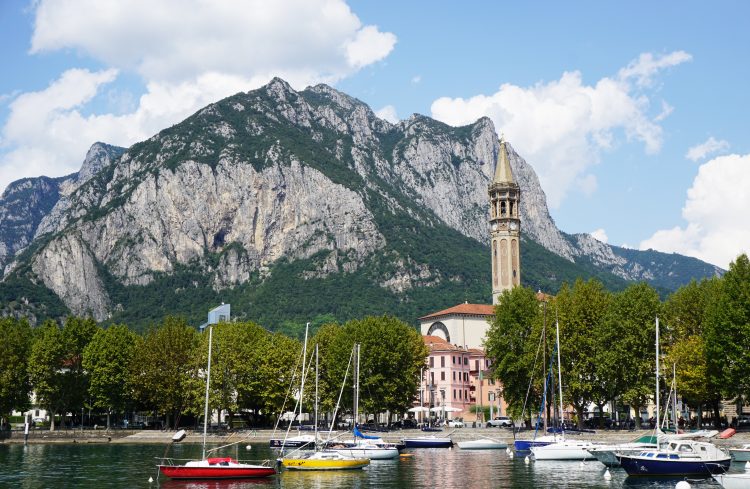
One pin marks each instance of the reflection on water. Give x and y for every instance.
(125, 466)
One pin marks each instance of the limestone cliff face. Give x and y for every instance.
(23, 205)
(271, 174)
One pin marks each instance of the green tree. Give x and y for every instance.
(625, 366)
(582, 311)
(392, 354)
(165, 371)
(512, 344)
(77, 334)
(699, 380)
(727, 332)
(107, 359)
(46, 373)
(276, 371)
(15, 348)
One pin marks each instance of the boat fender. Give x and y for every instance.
(179, 436)
(682, 485)
(607, 475)
(727, 433)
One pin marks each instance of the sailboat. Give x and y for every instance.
(321, 459)
(679, 457)
(564, 449)
(213, 467)
(364, 446)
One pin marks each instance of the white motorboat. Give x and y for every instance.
(564, 450)
(733, 481)
(607, 454)
(741, 454)
(482, 444)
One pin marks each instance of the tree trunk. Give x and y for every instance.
(52, 421)
(108, 413)
(717, 417)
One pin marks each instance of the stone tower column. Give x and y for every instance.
(505, 227)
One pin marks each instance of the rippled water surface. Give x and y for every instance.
(121, 465)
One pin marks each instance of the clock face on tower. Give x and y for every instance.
(494, 226)
(513, 225)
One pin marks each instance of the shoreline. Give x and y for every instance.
(264, 436)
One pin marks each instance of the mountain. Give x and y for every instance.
(292, 205)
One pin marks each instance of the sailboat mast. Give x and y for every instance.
(559, 371)
(208, 383)
(674, 403)
(316, 393)
(356, 384)
(304, 373)
(657, 372)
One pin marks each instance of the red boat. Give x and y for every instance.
(216, 468)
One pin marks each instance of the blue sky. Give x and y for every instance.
(634, 115)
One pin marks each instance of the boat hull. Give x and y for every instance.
(643, 466)
(562, 451)
(278, 443)
(482, 445)
(428, 442)
(527, 445)
(308, 464)
(740, 454)
(182, 472)
(373, 453)
(733, 481)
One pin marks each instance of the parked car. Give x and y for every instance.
(500, 422)
(455, 423)
(743, 421)
(39, 419)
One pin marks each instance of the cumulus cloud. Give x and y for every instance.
(716, 214)
(711, 146)
(187, 53)
(562, 126)
(600, 235)
(388, 113)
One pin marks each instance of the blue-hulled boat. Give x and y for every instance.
(540, 441)
(428, 442)
(678, 459)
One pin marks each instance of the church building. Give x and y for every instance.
(465, 325)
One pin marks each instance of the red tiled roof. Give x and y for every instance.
(464, 309)
(436, 343)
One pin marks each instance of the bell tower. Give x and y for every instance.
(505, 226)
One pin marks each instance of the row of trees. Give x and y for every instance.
(115, 370)
(608, 342)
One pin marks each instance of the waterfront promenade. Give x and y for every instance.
(263, 436)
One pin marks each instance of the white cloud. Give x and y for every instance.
(712, 145)
(562, 126)
(177, 40)
(717, 229)
(188, 53)
(600, 235)
(416, 79)
(647, 65)
(388, 113)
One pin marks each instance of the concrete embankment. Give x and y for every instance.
(263, 436)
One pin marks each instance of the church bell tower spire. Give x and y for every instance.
(505, 226)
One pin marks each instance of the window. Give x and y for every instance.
(459, 394)
(476, 364)
(432, 362)
(432, 378)
(454, 379)
(466, 394)
(466, 360)
(466, 376)
(453, 357)
(454, 393)
(442, 361)
(442, 375)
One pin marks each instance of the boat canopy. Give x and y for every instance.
(359, 434)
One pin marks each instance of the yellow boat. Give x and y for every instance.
(324, 460)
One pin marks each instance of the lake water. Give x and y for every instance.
(130, 466)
